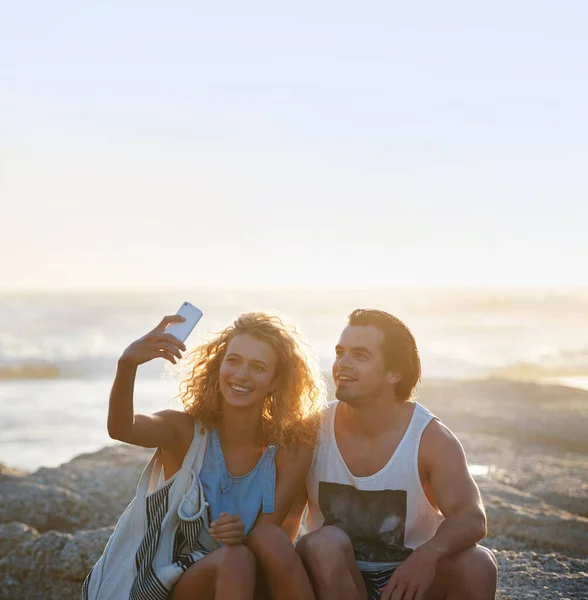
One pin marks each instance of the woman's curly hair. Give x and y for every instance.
(291, 413)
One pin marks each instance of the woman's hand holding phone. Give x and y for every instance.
(155, 344)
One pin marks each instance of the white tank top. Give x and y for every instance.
(386, 515)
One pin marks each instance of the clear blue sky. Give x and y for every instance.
(249, 144)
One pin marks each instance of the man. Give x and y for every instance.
(392, 508)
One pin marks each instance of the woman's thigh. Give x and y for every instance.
(229, 566)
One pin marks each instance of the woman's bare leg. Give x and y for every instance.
(284, 572)
(228, 573)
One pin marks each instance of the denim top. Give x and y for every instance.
(246, 495)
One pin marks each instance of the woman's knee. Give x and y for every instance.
(235, 559)
(268, 541)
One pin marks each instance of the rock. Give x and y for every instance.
(528, 576)
(535, 524)
(558, 480)
(547, 416)
(13, 534)
(52, 566)
(108, 477)
(47, 507)
(89, 492)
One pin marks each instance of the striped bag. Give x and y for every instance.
(162, 532)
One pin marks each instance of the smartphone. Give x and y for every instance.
(191, 315)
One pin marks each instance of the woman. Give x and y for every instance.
(256, 395)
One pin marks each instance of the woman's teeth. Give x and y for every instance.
(239, 388)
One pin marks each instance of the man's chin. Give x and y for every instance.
(346, 398)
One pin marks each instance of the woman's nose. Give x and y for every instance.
(242, 372)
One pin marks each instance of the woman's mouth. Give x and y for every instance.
(240, 389)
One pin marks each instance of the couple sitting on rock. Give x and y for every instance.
(392, 511)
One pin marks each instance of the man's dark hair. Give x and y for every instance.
(399, 348)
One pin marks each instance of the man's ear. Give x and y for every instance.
(394, 377)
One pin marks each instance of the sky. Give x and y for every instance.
(264, 144)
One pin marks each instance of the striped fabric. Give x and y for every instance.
(376, 580)
(146, 585)
(148, 550)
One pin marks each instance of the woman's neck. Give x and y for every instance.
(241, 427)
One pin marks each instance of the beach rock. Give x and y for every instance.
(47, 507)
(528, 575)
(89, 492)
(108, 477)
(14, 534)
(531, 414)
(558, 480)
(52, 566)
(522, 517)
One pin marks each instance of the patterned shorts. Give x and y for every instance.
(375, 580)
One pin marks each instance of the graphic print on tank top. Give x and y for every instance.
(375, 521)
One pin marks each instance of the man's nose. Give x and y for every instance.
(343, 360)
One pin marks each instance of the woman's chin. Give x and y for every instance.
(242, 401)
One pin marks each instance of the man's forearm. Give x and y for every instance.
(457, 533)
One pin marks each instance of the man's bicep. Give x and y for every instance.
(447, 470)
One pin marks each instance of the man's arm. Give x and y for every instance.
(291, 524)
(444, 468)
(444, 473)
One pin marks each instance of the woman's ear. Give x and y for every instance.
(275, 384)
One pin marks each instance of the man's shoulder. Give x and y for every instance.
(327, 410)
(439, 442)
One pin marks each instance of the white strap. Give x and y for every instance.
(151, 473)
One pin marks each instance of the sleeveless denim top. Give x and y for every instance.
(245, 495)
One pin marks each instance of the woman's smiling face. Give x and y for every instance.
(247, 372)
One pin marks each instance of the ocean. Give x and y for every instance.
(58, 351)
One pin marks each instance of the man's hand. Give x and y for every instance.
(413, 577)
(228, 529)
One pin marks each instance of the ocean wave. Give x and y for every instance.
(29, 371)
(91, 368)
(559, 364)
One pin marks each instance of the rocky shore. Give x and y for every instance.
(54, 523)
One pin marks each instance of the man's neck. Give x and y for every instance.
(374, 418)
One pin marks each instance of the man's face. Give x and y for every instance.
(359, 372)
